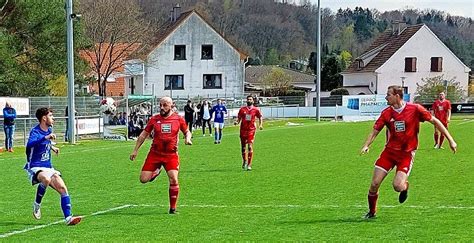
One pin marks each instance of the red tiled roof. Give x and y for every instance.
(393, 42)
(165, 30)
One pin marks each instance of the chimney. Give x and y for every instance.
(398, 26)
(172, 15)
(177, 12)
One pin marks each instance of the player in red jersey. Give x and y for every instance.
(441, 109)
(247, 115)
(403, 123)
(164, 149)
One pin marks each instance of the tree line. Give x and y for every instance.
(33, 36)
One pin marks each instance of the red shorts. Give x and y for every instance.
(390, 158)
(154, 161)
(247, 137)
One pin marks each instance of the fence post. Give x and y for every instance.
(335, 115)
(298, 111)
(24, 132)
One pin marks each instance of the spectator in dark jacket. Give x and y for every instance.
(189, 115)
(9, 116)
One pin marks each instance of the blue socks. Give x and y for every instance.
(40, 193)
(66, 205)
(220, 135)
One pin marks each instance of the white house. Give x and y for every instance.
(189, 58)
(254, 76)
(403, 56)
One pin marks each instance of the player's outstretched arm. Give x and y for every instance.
(444, 131)
(139, 143)
(368, 142)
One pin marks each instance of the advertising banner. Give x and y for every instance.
(21, 105)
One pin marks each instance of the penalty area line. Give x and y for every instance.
(17, 232)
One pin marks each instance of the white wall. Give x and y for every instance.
(423, 45)
(360, 79)
(194, 33)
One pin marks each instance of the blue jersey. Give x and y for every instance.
(219, 111)
(38, 149)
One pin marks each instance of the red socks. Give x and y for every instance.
(372, 197)
(173, 193)
(436, 138)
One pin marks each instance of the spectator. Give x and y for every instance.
(9, 116)
(189, 115)
(206, 117)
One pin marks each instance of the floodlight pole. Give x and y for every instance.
(70, 74)
(318, 66)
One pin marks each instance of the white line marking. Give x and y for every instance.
(305, 206)
(465, 122)
(16, 232)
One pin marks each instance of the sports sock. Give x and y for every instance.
(436, 138)
(40, 193)
(66, 205)
(250, 157)
(441, 140)
(220, 135)
(215, 136)
(244, 156)
(372, 198)
(173, 194)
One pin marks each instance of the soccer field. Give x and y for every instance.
(308, 183)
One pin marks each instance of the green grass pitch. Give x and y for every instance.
(308, 183)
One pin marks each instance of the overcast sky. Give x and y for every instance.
(463, 8)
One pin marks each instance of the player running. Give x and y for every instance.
(441, 109)
(403, 123)
(40, 169)
(219, 111)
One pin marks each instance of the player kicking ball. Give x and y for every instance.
(403, 124)
(164, 149)
(40, 169)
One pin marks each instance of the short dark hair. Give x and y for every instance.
(397, 90)
(250, 97)
(43, 111)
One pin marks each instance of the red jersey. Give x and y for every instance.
(440, 109)
(166, 132)
(247, 116)
(403, 126)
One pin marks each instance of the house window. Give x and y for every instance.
(179, 52)
(410, 64)
(206, 52)
(436, 64)
(212, 81)
(174, 82)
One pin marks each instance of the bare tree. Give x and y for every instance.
(116, 29)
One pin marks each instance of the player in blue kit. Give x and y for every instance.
(219, 111)
(39, 168)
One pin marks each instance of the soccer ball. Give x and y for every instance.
(108, 106)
